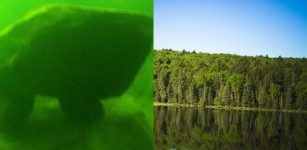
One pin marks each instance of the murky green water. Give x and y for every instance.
(49, 129)
(125, 97)
(193, 129)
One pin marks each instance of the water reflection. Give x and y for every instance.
(187, 128)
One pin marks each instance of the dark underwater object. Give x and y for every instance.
(78, 55)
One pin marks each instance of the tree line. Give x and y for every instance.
(230, 80)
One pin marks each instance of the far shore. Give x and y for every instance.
(228, 108)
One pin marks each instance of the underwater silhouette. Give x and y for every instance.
(77, 55)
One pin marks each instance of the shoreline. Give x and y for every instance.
(228, 108)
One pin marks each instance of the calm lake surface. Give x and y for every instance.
(194, 128)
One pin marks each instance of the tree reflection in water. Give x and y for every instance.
(188, 128)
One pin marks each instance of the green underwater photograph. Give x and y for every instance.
(76, 75)
(230, 74)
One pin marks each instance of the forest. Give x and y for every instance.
(203, 79)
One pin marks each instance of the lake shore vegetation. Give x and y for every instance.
(230, 81)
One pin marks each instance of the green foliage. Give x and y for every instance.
(232, 80)
(226, 97)
(289, 98)
(262, 97)
(274, 94)
(301, 90)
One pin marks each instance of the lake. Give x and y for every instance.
(178, 128)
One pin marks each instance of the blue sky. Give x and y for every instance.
(244, 27)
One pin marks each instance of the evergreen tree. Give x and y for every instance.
(163, 83)
(226, 97)
(230, 80)
(204, 99)
(210, 96)
(191, 93)
(262, 97)
(289, 98)
(274, 94)
(246, 97)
